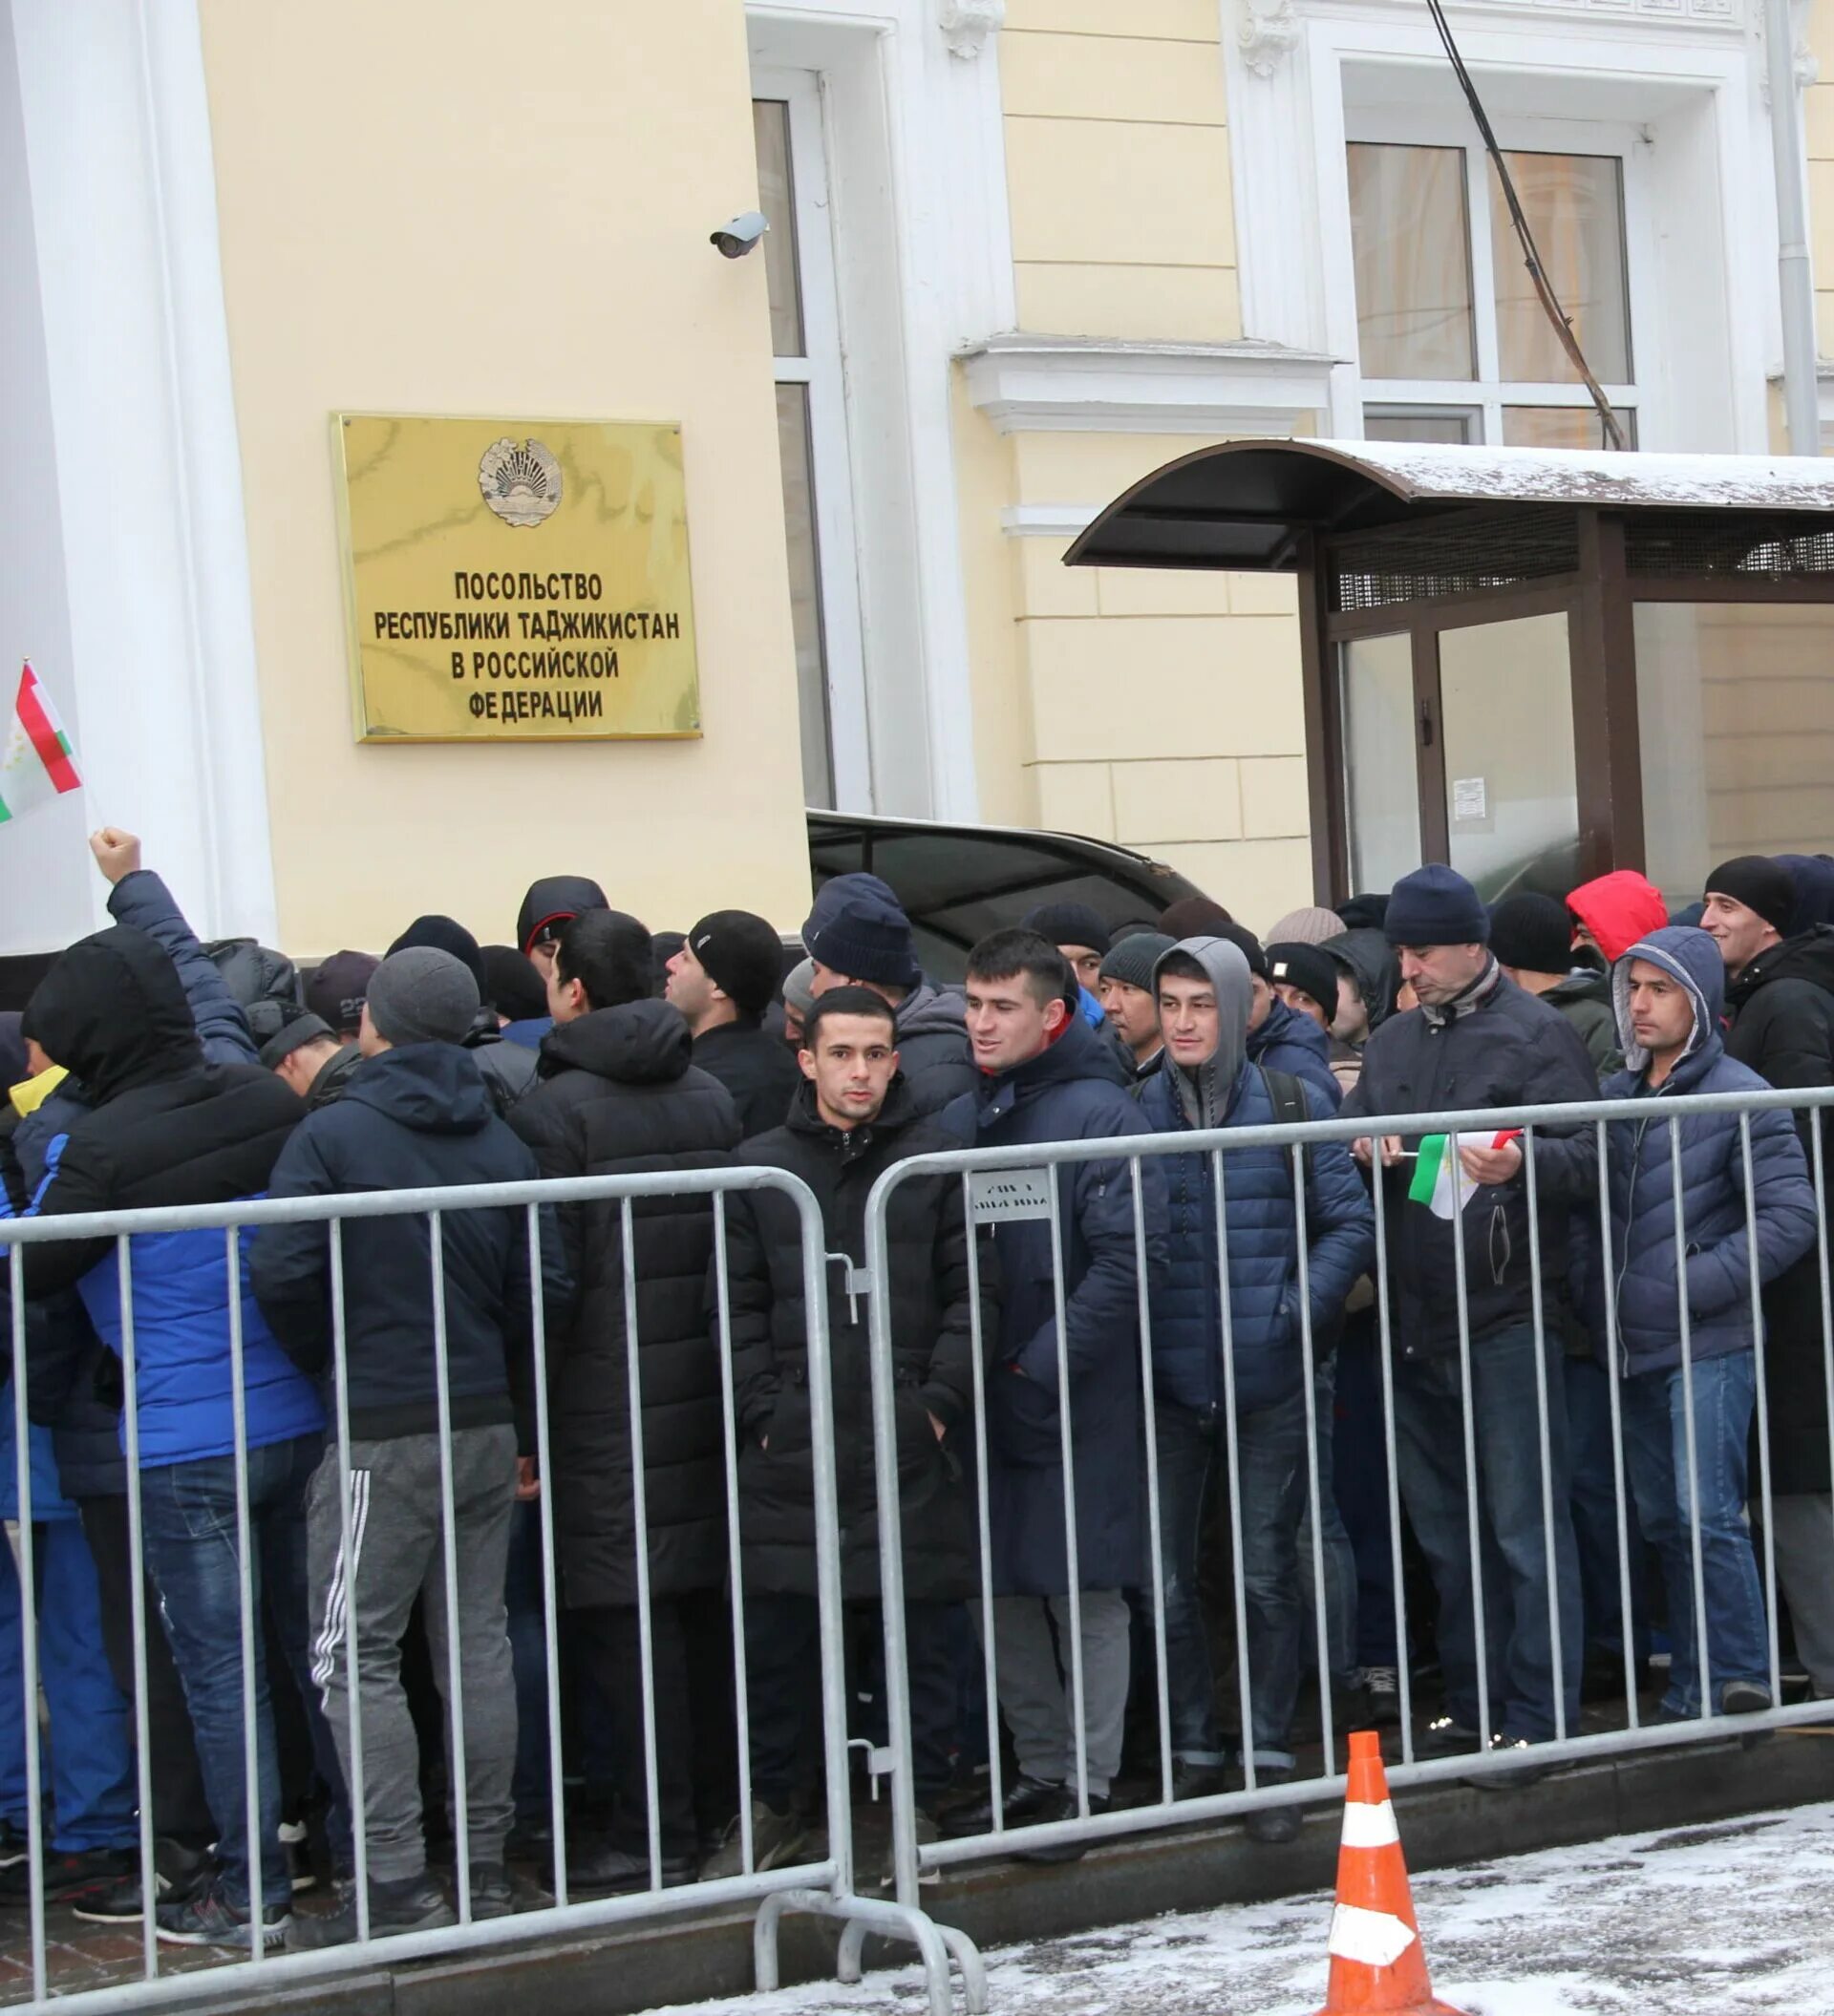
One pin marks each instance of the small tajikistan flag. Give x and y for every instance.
(1439, 1181)
(37, 766)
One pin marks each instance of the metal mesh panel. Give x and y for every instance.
(1440, 560)
(1698, 545)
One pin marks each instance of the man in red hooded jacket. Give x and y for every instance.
(1615, 912)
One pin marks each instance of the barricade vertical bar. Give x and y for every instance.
(1558, 1664)
(449, 1531)
(29, 1632)
(545, 1515)
(1762, 1410)
(1309, 1368)
(735, 1566)
(1149, 1392)
(978, 1353)
(1404, 1673)
(640, 1504)
(1078, 1709)
(1479, 1631)
(244, 1552)
(346, 1569)
(1245, 1679)
(881, 1375)
(1687, 1407)
(137, 1585)
(1612, 1374)
(1821, 1252)
(827, 1548)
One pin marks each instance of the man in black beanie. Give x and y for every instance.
(1078, 933)
(1780, 995)
(1476, 1040)
(723, 977)
(1532, 937)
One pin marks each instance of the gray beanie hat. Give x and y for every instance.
(799, 987)
(1132, 960)
(422, 995)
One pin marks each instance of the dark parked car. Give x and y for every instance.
(959, 883)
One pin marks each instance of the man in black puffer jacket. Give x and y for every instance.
(1479, 1041)
(417, 1114)
(1780, 994)
(618, 1094)
(851, 1121)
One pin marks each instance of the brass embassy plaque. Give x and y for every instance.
(516, 580)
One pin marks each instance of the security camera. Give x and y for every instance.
(741, 236)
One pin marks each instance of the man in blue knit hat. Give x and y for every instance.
(858, 935)
(1479, 1040)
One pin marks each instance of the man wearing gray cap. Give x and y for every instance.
(416, 1114)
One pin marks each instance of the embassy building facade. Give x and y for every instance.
(407, 500)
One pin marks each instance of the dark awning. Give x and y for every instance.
(1245, 504)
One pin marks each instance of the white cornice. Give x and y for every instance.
(1047, 520)
(1099, 385)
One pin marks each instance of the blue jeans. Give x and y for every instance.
(1193, 1450)
(1655, 1448)
(1594, 1497)
(1429, 1436)
(189, 1514)
(90, 1765)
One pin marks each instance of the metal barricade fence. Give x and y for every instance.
(1002, 1185)
(824, 1883)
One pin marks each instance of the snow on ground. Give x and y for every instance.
(1735, 1918)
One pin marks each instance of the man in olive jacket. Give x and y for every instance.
(852, 1120)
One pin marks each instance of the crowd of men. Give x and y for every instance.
(1524, 1326)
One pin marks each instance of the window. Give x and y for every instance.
(812, 442)
(1453, 343)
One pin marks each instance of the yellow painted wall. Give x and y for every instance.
(441, 207)
(1118, 169)
(1161, 710)
(1818, 120)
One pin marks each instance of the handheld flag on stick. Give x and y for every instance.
(37, 764)
(1439, 1179)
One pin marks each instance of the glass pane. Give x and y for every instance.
(1381, 790)
(777, 198)
(1454, 428)
(1562, 426)
(1506, 720)
(1413, 254)
(1736, 723)
(805, 593)
(1574, 204)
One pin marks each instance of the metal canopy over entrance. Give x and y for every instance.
(1536, 665)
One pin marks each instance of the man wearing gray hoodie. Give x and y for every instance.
(1230, 1378)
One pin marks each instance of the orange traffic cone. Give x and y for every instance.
(1376, 1961)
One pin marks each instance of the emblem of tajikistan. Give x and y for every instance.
(520, 481)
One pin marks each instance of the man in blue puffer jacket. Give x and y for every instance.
(164, 1127)
(1669, 991)
(1255, 1359)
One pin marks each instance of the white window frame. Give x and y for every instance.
(821, 369)
(1487, 393)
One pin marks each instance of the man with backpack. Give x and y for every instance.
(1206, 997)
